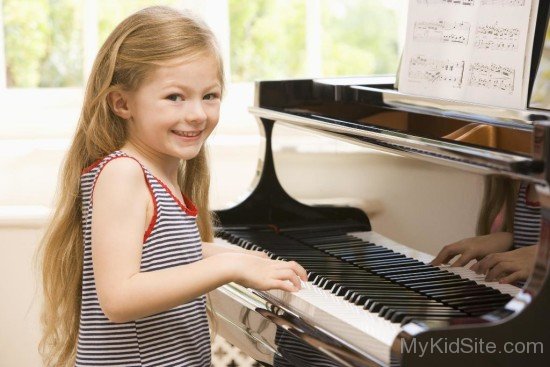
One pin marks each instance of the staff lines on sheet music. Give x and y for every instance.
(503, 2)
(447, 2)
(495, 37)
(442, 31)
(423, 69)
(492, 76)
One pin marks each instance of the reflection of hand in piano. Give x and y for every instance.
(475, 248)
(508, 267)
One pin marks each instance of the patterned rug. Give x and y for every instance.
(226, 355)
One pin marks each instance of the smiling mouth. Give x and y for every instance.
(187, 134)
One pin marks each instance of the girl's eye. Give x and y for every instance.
(175, 97)
(211, 96)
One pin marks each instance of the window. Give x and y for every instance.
(49, 47)
(42, 41)
(296, 38)
(541, 88)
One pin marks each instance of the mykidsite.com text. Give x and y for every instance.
(468, 345)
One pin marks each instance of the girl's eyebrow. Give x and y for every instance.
(187, 88)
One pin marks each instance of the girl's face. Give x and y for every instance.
(176, 108)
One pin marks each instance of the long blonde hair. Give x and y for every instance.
(499, 194)
(137, 45)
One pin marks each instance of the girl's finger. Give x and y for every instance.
(299, 270)
(499, 270)
(464, 259)
(488, 263)
(295, 267)
(514, 277)
(290, 275)
(446, 254)
(259, 254)
(283, 285)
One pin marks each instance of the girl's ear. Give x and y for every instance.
(118, 101)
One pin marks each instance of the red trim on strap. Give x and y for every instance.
(155, 210)
(189, 207)
(92, 166)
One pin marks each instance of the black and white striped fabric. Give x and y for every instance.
(526, 219)
(177, 337)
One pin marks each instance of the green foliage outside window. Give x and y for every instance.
(358, 37)
(267, 39)
(43, 43)
(111, 13)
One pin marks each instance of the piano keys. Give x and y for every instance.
(372, 298)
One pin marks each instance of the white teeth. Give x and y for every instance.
(188, 134)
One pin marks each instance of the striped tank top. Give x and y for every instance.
(526, 219)
(177, 337)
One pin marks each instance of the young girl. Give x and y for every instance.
(508, 233)
(125, 268)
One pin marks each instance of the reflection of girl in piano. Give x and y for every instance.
(508, 228)
(127, 288)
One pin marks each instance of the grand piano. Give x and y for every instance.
(370, 301)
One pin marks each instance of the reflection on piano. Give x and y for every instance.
(370, 301)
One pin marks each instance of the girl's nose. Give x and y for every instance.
(195, 112)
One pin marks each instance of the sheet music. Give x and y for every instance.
(469, 50)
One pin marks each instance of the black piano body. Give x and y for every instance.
(434, 317)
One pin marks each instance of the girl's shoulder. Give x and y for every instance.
(117, 179)
(100, 163)
(118, 166)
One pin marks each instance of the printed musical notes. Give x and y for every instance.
(503, 2)
(492, 76)
(469, 50)
(447, 2)
(434, 71)
(495, 37)
(442, 31)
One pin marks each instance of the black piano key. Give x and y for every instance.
(375, 306)
(389, 264)
(439, 285)
(463, 290)
(425, 279)
(387, 311)
(478, 300)
(400, 315)
(400, 270)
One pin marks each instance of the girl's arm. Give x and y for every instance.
(120, 203)
(215, 248)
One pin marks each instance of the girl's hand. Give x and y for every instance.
(474, 248)
(508, 267)
(263, 274)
